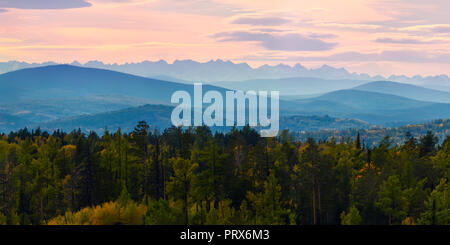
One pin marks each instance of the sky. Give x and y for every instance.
(410, 37)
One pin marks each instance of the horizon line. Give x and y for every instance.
(229, 61)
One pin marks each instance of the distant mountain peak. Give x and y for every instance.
(225, 70)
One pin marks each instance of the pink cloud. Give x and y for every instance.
(44, 4)
(134, 30)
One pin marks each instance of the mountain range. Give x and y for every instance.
(68, 97)
(220, 70)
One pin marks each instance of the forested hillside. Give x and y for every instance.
(197, 177)
(371, 136)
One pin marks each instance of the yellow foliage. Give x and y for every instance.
(69, 150)
(109, 213)
(408, 221)
(2, 219)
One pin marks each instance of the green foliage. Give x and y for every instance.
(352, 217)
(392, 200)
(224, 214)
(3, 219)
(192, 176)
(162, 213)
(180, 182)
(267, 205)
(437, 207)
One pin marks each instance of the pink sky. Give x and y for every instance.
(376, 37)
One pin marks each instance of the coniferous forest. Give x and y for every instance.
(195, 176)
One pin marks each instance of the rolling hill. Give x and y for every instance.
(64, 96)
(48, 91)
(55, 92)
(41, 110)
(59, 91)
(10, 122)
(375, 108)
(158, 116)
(369, 101)
(406, 90)
(62, 81)
(292, 86)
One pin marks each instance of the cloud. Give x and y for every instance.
(261, 21)
(111, 1)
(402, 11)
(44, 4)
(322, 35)
(9, 40)
(269, 30)
(408, 56)
(401, 41)
(441, 29)
(286, 42)
(2, 11)
(349, 26)
(200, 7)
(436, 28)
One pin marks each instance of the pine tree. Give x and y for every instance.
(180, 182)
(358, 142)
(267, 205)
(352, 217)
(437, 207)
(392, 200)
